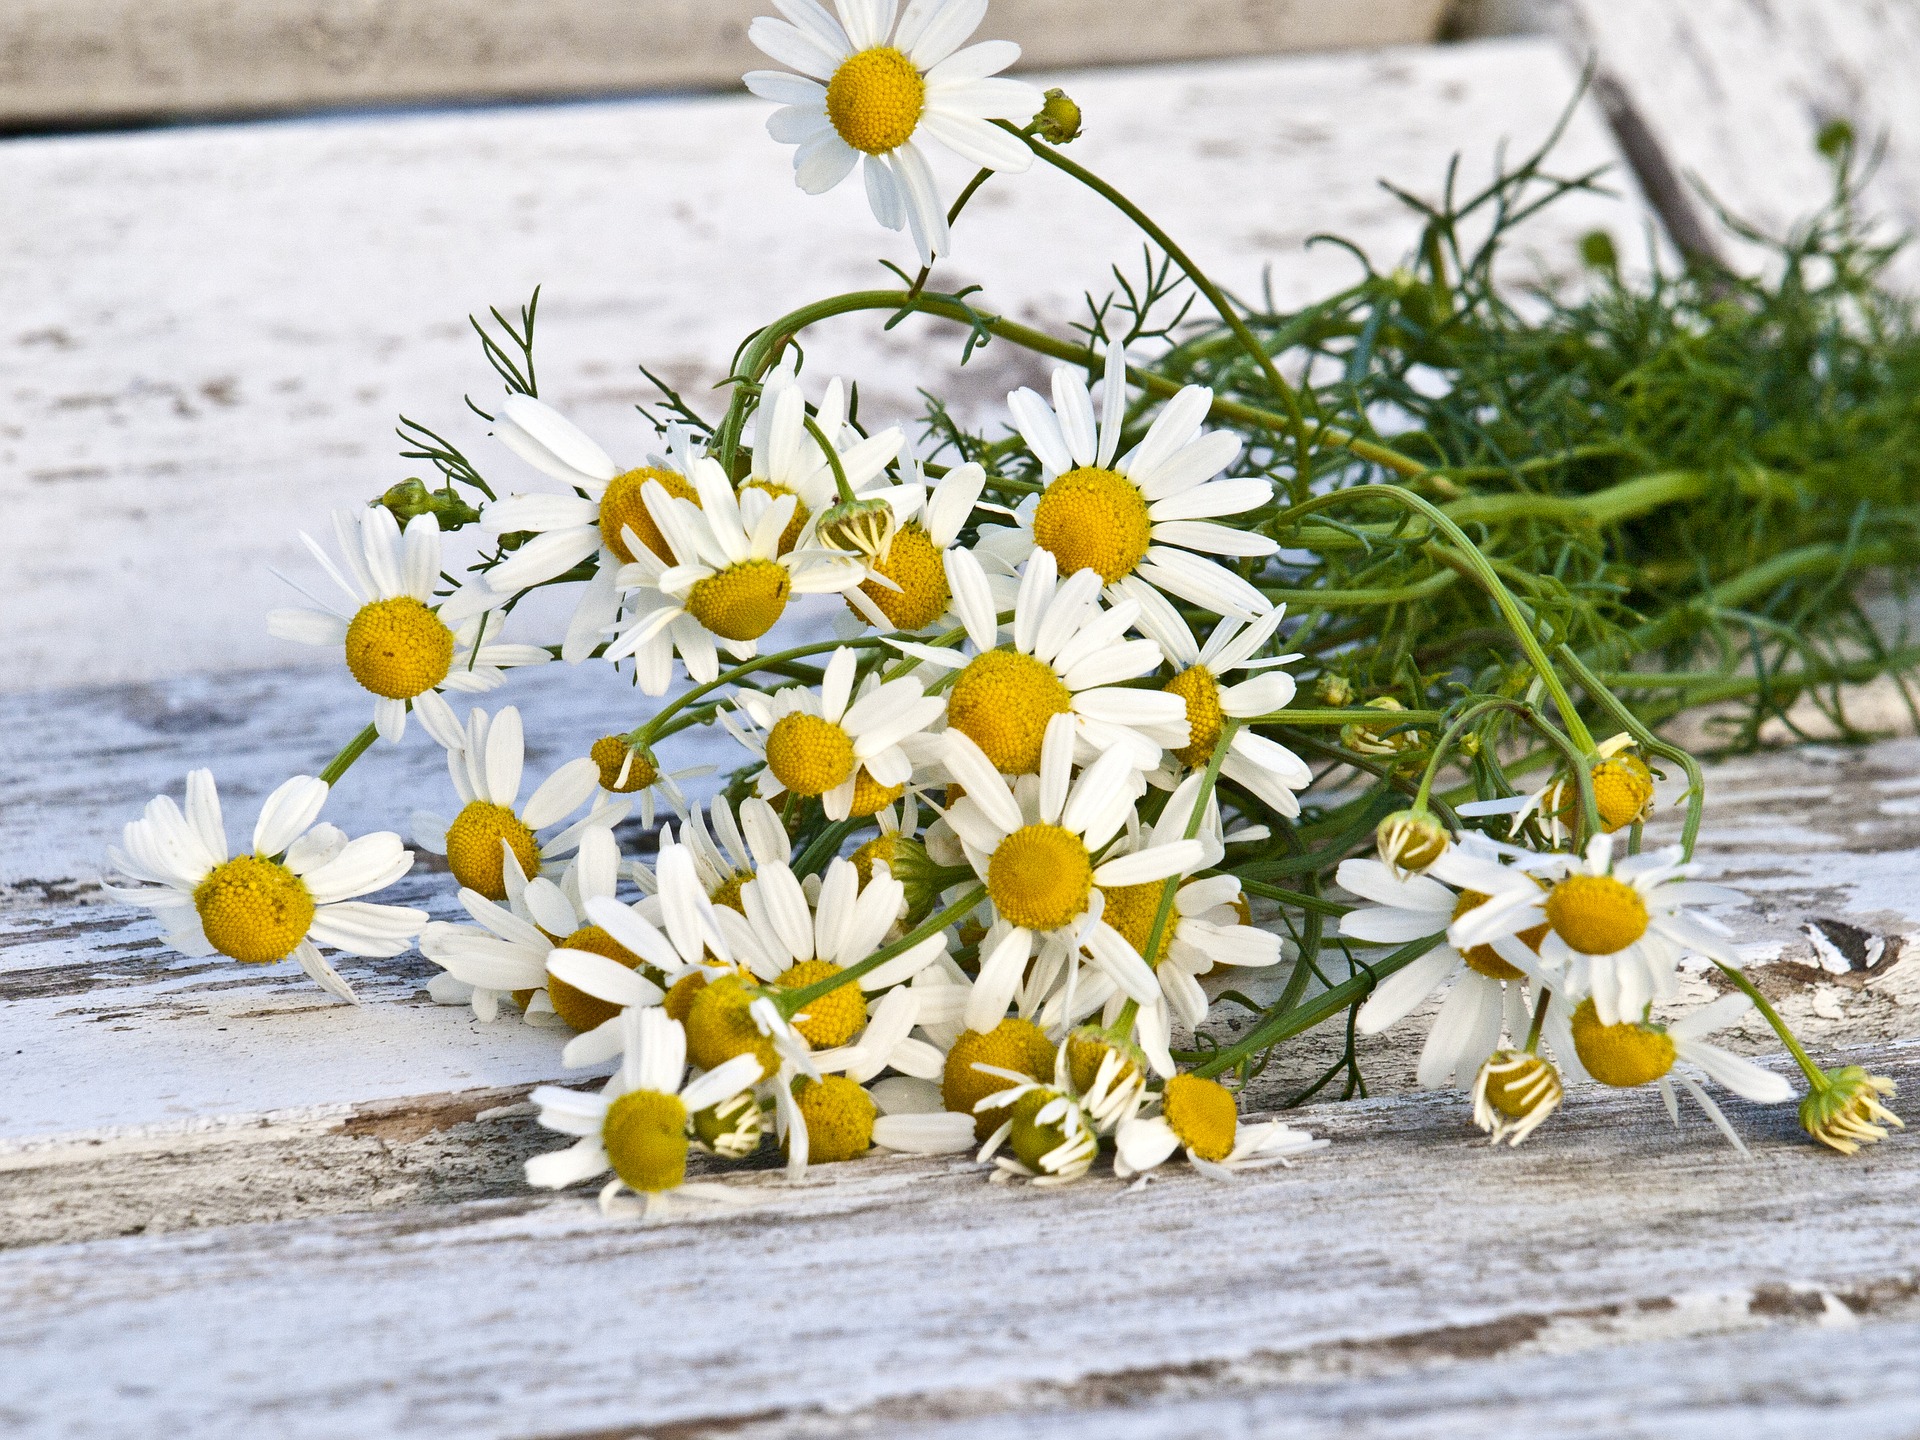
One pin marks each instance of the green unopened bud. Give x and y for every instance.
(1058, 120)
(1846, 1112)
(1408, 841)
(866, 527)
(1333, 690)
(411, 497)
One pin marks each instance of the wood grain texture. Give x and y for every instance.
(209, 332)
(1584, 1276)
(66, 61)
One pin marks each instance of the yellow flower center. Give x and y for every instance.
(623, 506)
(623, 770)
(1040, 876)
(473, 847)
(1485, 958)
(645, 1134)
(1002, 702)
(1622, 1055)
(1202, 1113)
(1622, 791)
(790, 536)
(1017, 1045)
(1029, 1140)
(580, 1010)
(870, 796)
(398, 648)
(914, 565)
(833, 1018)
(1204, 716)
(807, 754)
(839, 1116)
(875, 98)
(1596, 914)
(1093, 519)
(743, 601)
(727, 892)
(719, 1027)
(253, 909)
(1517, 1083)
(1130, 910)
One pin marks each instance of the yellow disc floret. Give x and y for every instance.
(875, 98)
(1040, 876)
(720, 1026)
(645, 1135)
(1596, 914)
(1016, 1045)
(833, 1018)
(807, 754)
(1002, 702)
(253, 909)
(1131, 909)
(839, 1116)
(581, 1011)
(398, 648)
(623, 769)
(1201, 691)
(1622, 1055)
(1485, 958)
(743, 601)
(473, 847)
(1202, 1113)
(623, 507)
(1093, 519)
(914, 564)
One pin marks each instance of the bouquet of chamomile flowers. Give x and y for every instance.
(998, 847)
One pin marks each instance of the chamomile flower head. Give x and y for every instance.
(788, 460)
(1143, 521)
(876, 94)
(638, 1126)
(494, 837)
(1201, 1117)
(907, 588)
(834, 746)
(1616, 929)
(727, 584)
(297, 889)
(1640, 1052)
(1044, 847)
(1265, 768)
(509, 948)
(400, 646)
(605, 521)
(1483, 982)
(1066, 656)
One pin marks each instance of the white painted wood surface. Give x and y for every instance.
(209, 332)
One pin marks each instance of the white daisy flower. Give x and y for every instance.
(788, 460)
(490, 839)
(1639, 1052)
(606, 521)
(1201, 1116)
(1615, 929)
(728, 583)
(397, 644)
(297, 890)
(510, 947)
(1486, 991)
(1264, 768)
(1143, 521)
(637, 1126)
(1038, 846)
(909, 592)
(1067, 656)
(847, 752)
(867, 88)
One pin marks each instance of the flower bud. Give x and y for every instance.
(1058, 120)
(1846, 1112)
(1408, 841)
(866, 527)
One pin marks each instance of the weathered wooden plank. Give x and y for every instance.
(209, 331)
(65, 61)
(1408, 1260)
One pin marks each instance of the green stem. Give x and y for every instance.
(349, 753)
(792, 1002)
